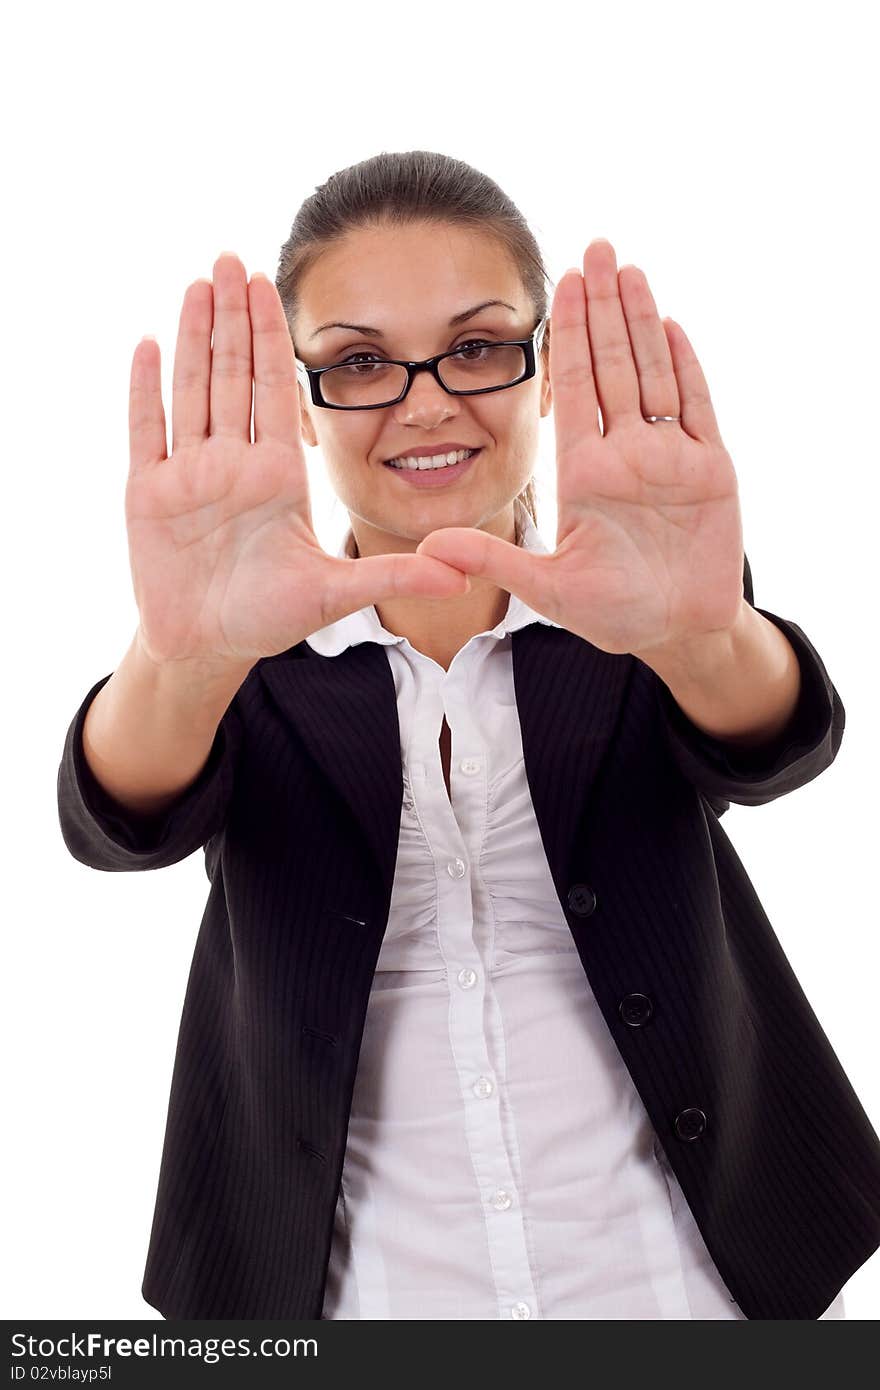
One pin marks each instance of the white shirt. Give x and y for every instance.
(500, 1162)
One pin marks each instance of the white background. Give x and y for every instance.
(728, 151)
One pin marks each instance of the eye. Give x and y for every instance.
(355, 356)
(363, 357)
(473, 343)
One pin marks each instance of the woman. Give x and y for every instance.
(426, 1067)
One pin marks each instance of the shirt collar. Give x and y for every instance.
(364, 625)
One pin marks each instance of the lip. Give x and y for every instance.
(433, 478)
(425, 451)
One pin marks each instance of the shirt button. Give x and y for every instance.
(455, 868)
(483, 1087)
(520, 1310)
(470, 766)
(501, 1200)
(467, 978)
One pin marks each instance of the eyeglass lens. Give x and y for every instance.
(380, 383)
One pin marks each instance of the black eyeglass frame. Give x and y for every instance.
(531, 347)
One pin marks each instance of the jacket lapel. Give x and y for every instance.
(568, 696)
(344, 710)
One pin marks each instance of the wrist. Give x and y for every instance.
(699, 661)
(199, 684)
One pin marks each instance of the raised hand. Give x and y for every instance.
(224, 560)
(649, 551)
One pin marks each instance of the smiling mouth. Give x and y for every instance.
(421, 465)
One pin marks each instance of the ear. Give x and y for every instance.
(308, 429)
(546, 388)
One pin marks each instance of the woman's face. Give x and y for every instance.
(408, 282)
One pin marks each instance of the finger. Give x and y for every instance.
(146, 414)
(575, 405)
(276, 399)
(190, 386)
(355, 583)
(697, 412)
(617, 381)
(512, 567)
(658, 388)
(232, 367)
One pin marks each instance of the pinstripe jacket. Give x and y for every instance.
(298, 811)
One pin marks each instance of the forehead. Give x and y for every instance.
(398, 275)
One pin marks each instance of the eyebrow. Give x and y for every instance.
(456, 319)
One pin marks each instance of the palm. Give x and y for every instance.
(649, 537)
(215, 544)
(224, 559)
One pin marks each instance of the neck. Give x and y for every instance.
(441, 627)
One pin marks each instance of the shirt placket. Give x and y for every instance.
(464, 939)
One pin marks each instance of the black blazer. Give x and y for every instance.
(298, 808)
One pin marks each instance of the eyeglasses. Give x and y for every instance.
(479, 365)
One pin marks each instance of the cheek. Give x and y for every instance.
(348, 446)
(522, 433)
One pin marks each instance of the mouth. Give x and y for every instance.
(436, 476)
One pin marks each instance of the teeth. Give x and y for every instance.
(435, 460)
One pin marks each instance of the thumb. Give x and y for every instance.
(375, 578)
(477, 553)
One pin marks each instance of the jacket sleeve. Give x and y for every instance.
(101, 833)
(752, 777)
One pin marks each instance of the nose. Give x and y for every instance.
(425, 401)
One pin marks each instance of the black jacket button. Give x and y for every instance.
(581, 899)
(690, 1123)
(636, 1009)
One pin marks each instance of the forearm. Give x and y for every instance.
(149, 731)
(740, 686)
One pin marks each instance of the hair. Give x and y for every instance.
(401, 189)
